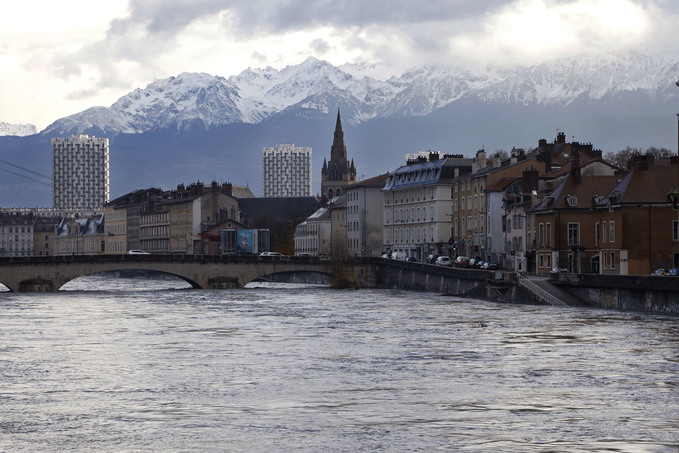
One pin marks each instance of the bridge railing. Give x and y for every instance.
(165, 257)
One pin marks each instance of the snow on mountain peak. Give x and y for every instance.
(191, 100)
(19, 130)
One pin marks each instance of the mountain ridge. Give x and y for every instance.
(201, 100)
(17, 130)
(195, 126)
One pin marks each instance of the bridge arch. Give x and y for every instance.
(140, 275)
(46, 274)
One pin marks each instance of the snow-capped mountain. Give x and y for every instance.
(19, 130)
(202, 101)
(197, 126)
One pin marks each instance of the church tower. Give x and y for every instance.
(338, 173)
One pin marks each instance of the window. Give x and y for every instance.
(541, 235)
(611, 231)
(597, 235)
(612, 259)
(603, 231)
(573, 234)
(541, 260)
(675, 230)
(549, 260)
(549, 235)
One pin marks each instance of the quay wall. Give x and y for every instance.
(489, 285)
(623, 292)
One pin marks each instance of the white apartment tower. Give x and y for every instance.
(286, 171)
(80, 173)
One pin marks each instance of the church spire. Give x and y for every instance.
(338, 150)
(337, 172)
(338, 125)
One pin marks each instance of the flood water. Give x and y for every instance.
(143, 365)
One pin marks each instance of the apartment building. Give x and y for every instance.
(286, 171)
(80, 236)
(80, 172)
(313, 235)
(417, 205)
(16, 235)
(478, 203)
(364, 216)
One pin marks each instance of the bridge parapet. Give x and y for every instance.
(49, 273)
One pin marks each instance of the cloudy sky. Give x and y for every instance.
(61, 57)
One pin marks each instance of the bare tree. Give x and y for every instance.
(659, 153)
(621, 158)
(501, 153)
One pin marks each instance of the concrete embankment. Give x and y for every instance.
(623, 292)
(630, 293)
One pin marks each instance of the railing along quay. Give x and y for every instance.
(540, 293)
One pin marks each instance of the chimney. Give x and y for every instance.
(530, 180)
(642, 162)
(545, 156)
(227, 188)
(480, 160)
(575, 163)
(517, 155)
(561, 138)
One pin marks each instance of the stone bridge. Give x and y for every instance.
(49, 273)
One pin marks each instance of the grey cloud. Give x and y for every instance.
(151, 28)
(257, 16)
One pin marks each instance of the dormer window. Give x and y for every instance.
(572, 201)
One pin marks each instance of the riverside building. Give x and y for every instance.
(417, 205)
(80, 172)
(286, 171)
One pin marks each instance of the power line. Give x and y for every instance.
(26, 177)
(25, 169)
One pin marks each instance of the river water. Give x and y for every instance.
(142, 365)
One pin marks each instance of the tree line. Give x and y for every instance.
(621, 158)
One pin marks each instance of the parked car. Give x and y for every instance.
(270, 254)
(443, 261)
(411, 259)
(462, 261)
(560, 270)
(137, 252)
(490, 266)
(674, 272)
(660, 272)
